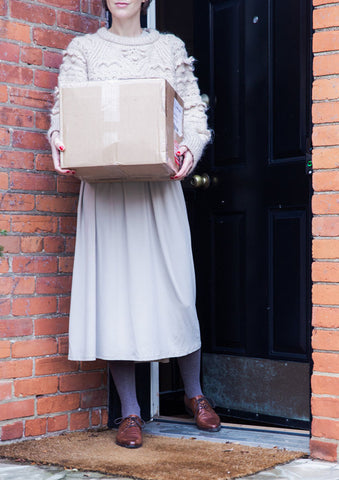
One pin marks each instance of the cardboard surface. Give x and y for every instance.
(121, 129)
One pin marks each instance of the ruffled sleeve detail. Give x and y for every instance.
(196, 131)
(73, 68)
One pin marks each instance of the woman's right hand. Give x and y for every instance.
(57, 147)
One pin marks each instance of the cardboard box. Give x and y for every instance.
(121, 129)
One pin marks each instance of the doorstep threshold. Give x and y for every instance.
(250, 435)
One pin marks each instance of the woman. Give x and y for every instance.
(133, 291)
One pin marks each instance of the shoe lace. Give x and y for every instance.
(130, 421)
(204, 403)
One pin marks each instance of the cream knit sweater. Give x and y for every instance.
(106, 56)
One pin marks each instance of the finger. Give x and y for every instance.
(64, 171)
(181, 150)
(185, 168)
(59, 145)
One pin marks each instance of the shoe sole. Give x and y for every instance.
(128, 446)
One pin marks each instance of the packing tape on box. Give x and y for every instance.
(110, 107)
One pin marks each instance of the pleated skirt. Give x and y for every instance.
(133, 287)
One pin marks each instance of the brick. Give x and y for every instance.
(52, 365)
(3, 7)
(73, 5)
(326, 65)
(15, 31)
(51, 38)
(24, 285)
(34, 348)
(4, 266)
(52, 59)
(325, 88)
(16, 368)
(68, 184)
(5, 391)
(325, 272)
(67, 225)
(5, 136)
(325, 340)
(3, 181)
(326, 226)
(325, 428)
(92, 366)
(95, 418)
(35, 427)
(32, 13)
(63, 345)
(325, 294)
(78, 23)
(323, 450)
(51, 326)
(16, 202)
(5, 308)
(44, 162)
(5, 349)
(326, 41)
(31, 55)
(34, 306)
(57, 423)
(326, 362)
(6, 285)
(104, 416)
(325, 112)
(35, 264)
(96, 398)
(45, 79)
(80, 381)
(36, 386)
(30, 140)
(325, 181)
(325, 248)
(5, 222)
(42, 120)
(23, 408)
(325, 135)
(323, 2)
(12, 432)
(58, 285)
(10, 159)
(30, 98)
(326, 17)
(32, 181)
(15, 74)
(10, 243)
(31, 244)
(325, 317)
(16, 327)
(54, 244)
(96, 7)
(64, 304)
(59, 403)
(52, 203)
(9, 52)
(70, 245)
(3, 93)
(66, 264)
(325, 385)
(79, 421)
(34, 224)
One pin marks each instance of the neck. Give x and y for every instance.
(126, 28)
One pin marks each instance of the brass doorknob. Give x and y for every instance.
(201, 181)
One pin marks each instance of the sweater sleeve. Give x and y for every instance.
(196, 132)
(72, 69)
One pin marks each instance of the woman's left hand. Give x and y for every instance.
(187, 163)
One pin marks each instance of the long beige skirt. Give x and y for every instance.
(133, 290)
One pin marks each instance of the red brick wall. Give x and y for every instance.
(325, 380)
(40, 390)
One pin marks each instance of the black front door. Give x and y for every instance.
(251, 226)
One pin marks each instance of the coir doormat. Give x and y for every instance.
(160, 458)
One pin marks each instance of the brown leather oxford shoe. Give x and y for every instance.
(129, 433)
(204, 415)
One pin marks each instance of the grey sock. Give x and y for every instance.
(190, 371)
(123, 373)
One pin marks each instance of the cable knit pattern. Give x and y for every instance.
(106, 56)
